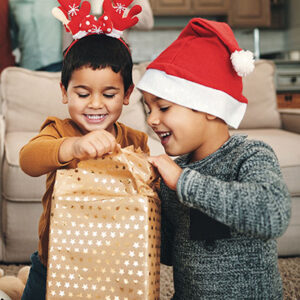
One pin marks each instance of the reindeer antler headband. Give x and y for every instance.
(79, 22)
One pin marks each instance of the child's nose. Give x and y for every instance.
(153, 119)
(96, 102)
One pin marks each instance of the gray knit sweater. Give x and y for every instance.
(219, 229)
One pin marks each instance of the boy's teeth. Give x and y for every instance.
(95, 117)
(164, 134)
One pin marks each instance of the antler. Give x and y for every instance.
(116, 8)
(61, 16)
(78, 20)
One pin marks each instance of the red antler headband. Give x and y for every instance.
(79, 22)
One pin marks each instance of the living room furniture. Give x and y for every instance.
(28, 97)
(288, 84)
(240, 14)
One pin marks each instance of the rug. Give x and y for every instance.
(289, 270)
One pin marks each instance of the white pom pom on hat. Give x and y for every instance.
(243, 62)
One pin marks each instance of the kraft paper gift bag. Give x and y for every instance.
(105, 230)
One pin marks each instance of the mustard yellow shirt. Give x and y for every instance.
(40, 156)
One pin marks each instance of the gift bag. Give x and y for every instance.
(104, 238)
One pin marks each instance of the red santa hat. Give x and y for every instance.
(202, 70)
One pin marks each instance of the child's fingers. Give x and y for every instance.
(97, 143)
(90, 152)
(158, 162)
(151, 159)
(105, 146)
(167, 168)
(104, 142)
(86, 151)
(118, 148)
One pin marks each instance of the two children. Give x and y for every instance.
(224, 201)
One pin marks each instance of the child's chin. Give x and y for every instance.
(172, 153)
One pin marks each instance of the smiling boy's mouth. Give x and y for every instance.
(95, 117)
(164, 136)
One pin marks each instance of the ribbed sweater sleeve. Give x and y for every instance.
(257, 203)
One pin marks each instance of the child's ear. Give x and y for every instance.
(63, 93)
(128, 94)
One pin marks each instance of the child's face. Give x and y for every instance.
(95, 98)
(180, 129)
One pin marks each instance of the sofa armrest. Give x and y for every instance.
(2, 137)
(290, 119)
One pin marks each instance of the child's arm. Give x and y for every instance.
(49, 151)
(257, 203)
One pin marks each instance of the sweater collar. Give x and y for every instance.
(234, 141)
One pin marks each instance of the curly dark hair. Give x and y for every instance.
(98, 51)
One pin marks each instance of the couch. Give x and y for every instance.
(28, 97)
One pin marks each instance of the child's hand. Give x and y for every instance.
(92, 145)
(167, 168)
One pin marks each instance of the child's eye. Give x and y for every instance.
(164, 108)
(83, 95)
(108, 95)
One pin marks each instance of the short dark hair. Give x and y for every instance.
(98, 51)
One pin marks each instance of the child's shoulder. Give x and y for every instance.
(252, 145)
(53, 121)
(128, 131)
(59, 125)
(251, 149)
(239, 148)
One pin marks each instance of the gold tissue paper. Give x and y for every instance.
(104, 238)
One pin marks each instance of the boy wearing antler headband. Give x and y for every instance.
(96, 82)
(224, 201)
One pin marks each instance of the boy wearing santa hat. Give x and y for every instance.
(224, 201)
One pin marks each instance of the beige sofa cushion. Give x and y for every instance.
(28, 103)
(259, 89)
(16, 185)
(289, 243)
(20, 222)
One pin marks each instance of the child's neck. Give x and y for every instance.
(215, 140)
